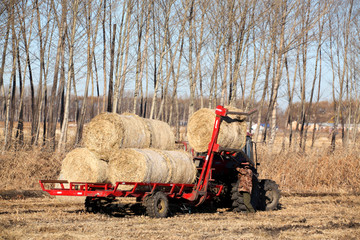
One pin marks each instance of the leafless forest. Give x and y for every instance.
(66, 61)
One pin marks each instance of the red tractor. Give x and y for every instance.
(216, 185)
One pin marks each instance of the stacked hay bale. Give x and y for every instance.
(200, 127)
(128, 148)
(151, 165)
(161, 135)
(109, 131)
(82, 165)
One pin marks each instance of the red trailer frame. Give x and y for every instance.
(139, 189)
(193, 193)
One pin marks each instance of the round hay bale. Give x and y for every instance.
(200, 127)
(103, 133)
(69, 199)
(82, 165)
(128, 114)
(135, 132)
(233, 116)
(181, 167)
(137, 165)
(161, 135)
(151, 165)
(109, 131)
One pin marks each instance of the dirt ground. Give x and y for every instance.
(300, 217)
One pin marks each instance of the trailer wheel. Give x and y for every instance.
(157, 205)
(270, 195)
(92, 205)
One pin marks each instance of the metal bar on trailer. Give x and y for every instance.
(42, 185)
(86, 188)
(181, 189)
(153, 189)
(53, 181)
(116, 187)
(132, 191)
(172, 188)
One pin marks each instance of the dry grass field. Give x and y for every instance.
(311, 217)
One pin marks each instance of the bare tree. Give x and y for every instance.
(157, 81)
(124, 65)
(90, 56)
(120, 53)
(63, 135)
(341, 72)
(12, 86)
(8, 7)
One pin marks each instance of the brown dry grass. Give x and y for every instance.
(315, 170)
(24, 169)
(27, 136)
(327, 217)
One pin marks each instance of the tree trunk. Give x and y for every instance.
(158, 71)
(192, 80)
(279, 68)
(54, 108)
(12, 85)
(124, 65)
(4, 52)
(63, 135)
(104, 57)
(90, 54)
(139, 62)
(111, 85)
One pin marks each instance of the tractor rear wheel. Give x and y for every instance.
(157, 205)
(237, 198)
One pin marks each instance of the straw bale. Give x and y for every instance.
(82, 165)
(69, 199)
(151, 165)
(137, 165)
(135, 132)
(200, 127)
(108, 131)
(161, 135)
(181, 167)
(235, 117)
(128, 114)
(103, 133)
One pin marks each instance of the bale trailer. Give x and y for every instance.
(215, 187)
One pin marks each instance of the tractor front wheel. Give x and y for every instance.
(270, 195)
